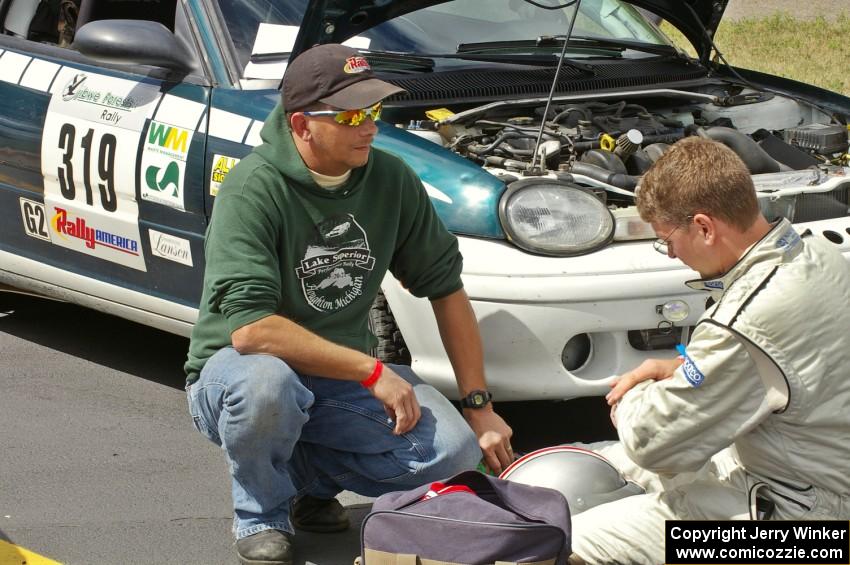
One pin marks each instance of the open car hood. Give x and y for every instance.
(334, 21)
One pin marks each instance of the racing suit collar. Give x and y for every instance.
(781, 241)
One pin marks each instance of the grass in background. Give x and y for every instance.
(812, 51)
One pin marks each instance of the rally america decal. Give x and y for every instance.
(336, 264)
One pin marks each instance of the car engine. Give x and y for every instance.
(608, 141)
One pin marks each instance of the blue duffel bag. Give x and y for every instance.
(468, 519)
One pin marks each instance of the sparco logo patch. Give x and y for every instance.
(714, 284)
(336, 264)
(694, 375)
(356, 65)
(788, 240)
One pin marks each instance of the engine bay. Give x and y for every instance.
(608, 140)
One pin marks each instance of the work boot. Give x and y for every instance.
(269, 547)
(324, 515)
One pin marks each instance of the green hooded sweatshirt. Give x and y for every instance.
(280, 244)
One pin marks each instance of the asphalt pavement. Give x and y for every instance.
(100, 464)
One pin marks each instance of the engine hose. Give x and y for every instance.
(599, 121)
(662, 138)
(505, 135)
(619, 180)
(637, 107)
(756, 158)
(505, 163)
(533, 129)
(560, 116)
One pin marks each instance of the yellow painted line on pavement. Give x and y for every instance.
(11, 554)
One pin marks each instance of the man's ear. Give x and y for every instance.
(707, 227)
(299, 125)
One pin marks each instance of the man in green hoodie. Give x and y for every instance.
(302, 233)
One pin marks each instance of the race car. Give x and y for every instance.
(529, 123)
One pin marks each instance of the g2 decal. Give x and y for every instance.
(34, 218)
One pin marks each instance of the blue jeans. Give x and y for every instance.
(286, 434)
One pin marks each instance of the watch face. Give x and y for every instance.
(476, 399)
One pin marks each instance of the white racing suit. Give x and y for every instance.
(760, 409)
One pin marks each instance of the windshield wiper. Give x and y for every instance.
(619, 45)
(393, 60)
(269, 57)
(384, 59)
(474, 51)
(623, 44)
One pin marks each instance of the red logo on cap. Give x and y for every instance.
(356, 65)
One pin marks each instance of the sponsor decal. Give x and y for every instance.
(356, 65)
(113, 104)
(718, 285)
(34, 218)
(168, 179)
(170, 247)
(164, 163)
(221, 166)
(788, 240)
(171, 140)
(692, 374)
(69, 92)
(90, 148)
(69, 227)
(336, 264)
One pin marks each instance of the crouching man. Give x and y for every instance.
(752, 421)
(302, 233)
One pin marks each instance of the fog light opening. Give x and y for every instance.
(577, 352)
(834, 237)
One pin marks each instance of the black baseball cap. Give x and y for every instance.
(333, 74)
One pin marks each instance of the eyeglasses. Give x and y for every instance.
(663, 245)
(351, 118)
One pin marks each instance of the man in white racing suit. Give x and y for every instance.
(752, 421)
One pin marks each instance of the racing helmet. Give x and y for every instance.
(585, 478)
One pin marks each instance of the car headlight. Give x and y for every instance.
(551, 217)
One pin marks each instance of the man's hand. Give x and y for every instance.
(494, 437)
(398, 399)
(651, 369)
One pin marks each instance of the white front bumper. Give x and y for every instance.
(528, 307)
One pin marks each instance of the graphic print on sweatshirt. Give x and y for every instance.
(336, 264)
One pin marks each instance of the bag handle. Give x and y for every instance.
(438, 489)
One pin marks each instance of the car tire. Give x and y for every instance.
(391, 347)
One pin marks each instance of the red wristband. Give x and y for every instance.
(376, 374)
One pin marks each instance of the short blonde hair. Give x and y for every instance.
(698, 175)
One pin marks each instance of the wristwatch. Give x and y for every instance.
(477, 399)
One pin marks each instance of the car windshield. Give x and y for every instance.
(269, 27)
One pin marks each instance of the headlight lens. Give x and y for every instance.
(553, 218)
